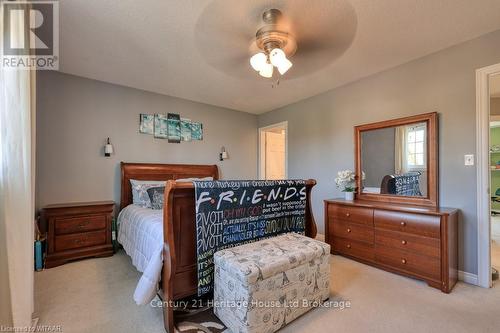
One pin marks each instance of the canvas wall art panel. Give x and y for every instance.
(146, 124)
(196, 131)
(185, 129)
(161, 126)
(174, 128)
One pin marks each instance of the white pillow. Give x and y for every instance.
(193, 179)
(140, 188)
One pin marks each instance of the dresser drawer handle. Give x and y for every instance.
(348, 246)
(403, 223)
(349, 230)
(403, 261)
(78, 241)
(403, 242)
(83, 224)
(347, 214)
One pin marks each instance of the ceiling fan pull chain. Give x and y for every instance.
(276, 83)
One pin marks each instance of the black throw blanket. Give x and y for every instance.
(235, 212)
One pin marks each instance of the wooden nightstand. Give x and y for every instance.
(77, 230)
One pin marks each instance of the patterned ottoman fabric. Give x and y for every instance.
(262, 286)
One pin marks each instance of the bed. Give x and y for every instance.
(175, 259)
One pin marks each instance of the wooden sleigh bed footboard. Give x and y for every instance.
(179, 274)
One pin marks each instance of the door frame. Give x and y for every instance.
(261, 149)
(483, 173)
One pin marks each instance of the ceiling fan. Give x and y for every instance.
(238, 38)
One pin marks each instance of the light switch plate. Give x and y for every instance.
(469, 159)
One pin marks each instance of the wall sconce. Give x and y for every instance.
(223, 154)
(108, 148)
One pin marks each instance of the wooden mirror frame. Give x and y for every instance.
(432, 199)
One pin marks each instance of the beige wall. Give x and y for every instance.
(321, 127)
(75, 115)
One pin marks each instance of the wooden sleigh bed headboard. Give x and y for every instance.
(148, 171)
(179, 273)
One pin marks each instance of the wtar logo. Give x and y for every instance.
(30, 35)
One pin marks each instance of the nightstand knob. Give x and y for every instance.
(348, 229)
(403, 223)
(348, 246)
(403, 261)
(403, 242)
(347, 214)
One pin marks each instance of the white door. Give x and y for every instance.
(275, 155)
(273, 152)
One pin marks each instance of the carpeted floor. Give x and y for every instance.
(95, 295)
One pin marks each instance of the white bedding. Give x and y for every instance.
(140, 231)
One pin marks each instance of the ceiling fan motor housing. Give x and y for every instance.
(271, 36)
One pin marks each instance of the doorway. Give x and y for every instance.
(488, 172)
(273, 151)
(494, 147)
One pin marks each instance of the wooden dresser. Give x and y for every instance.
(414, 241)
(77, 230)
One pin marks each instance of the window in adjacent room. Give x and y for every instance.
(415, 147)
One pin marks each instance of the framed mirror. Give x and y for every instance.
(396, 160)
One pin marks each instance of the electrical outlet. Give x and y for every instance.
(469, 160)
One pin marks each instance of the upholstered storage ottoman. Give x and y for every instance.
(263, 286)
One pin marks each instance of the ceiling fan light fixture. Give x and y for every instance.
(266, 70)
(277, 56)
(258, 61)
(284, 66)
(275, 45)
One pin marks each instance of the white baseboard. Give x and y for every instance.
(468, 278)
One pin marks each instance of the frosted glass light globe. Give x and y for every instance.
(258, 61)
(284, 66)
(267, 70)
(277, 56)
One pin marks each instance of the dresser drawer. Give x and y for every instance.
(73, 241)
(69, 225)
(353, 231)
(407, 242)
(359, 250)
(409, 262)
(352, 214)
(418, 224)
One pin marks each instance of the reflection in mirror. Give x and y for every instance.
(394, 160)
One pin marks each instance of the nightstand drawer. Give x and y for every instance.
(79, 224)
(74, 241)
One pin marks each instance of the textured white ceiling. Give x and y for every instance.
(164, 46)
